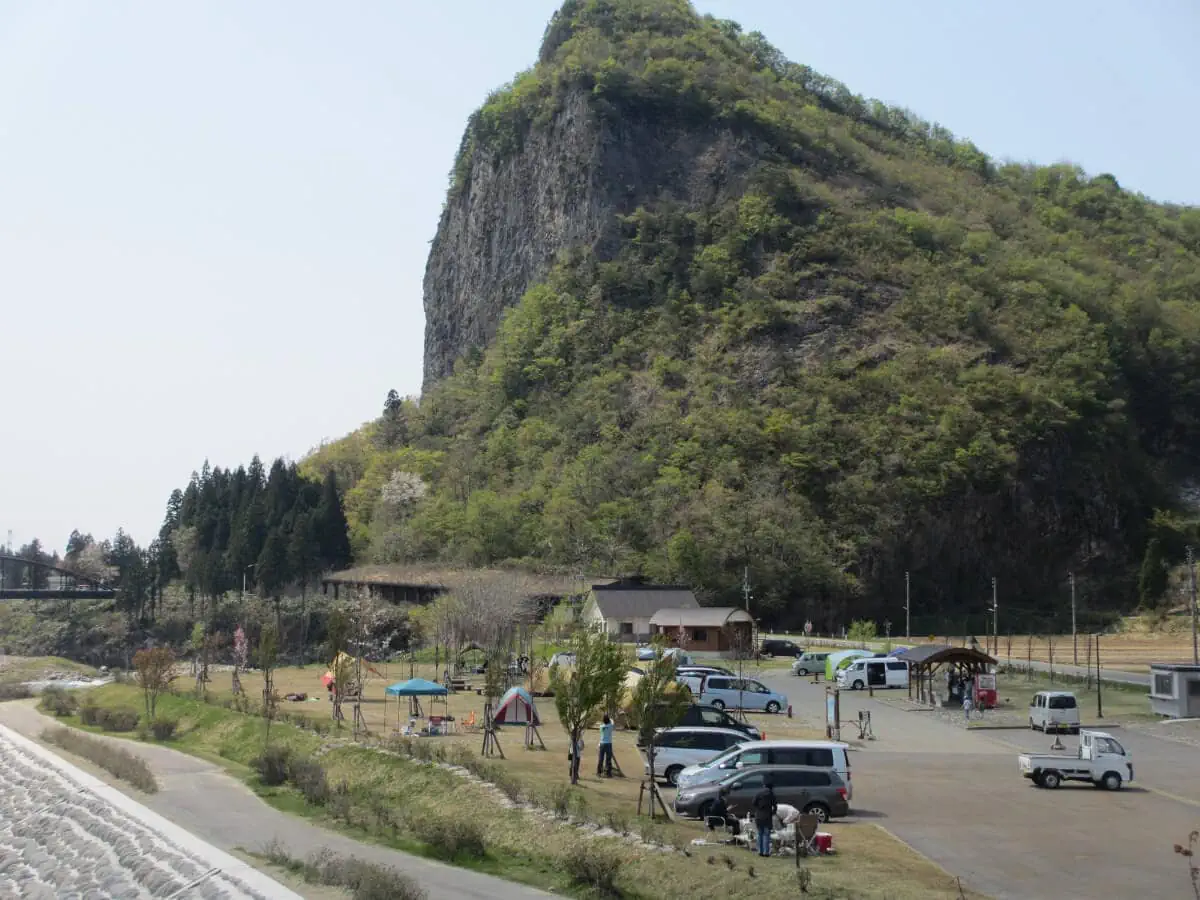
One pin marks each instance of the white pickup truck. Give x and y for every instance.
(1101, 760)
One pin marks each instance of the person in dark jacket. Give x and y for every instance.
(719, 812)
(764, 806)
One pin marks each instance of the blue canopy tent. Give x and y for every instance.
(413, 688)
(416, 687)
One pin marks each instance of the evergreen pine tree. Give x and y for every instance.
(332, 529)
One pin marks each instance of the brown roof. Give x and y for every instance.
(640, 601)
(703, 617)
(449, 579)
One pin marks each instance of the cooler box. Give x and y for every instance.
(824, 842)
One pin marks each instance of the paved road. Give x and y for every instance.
(956, 796)
(201, 798)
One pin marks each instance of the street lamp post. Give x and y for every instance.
(907, 614)
(244, 571)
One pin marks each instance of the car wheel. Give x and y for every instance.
(1112, 781)
(704, 810)
(773, 707)
(820, 810)
(857, 686)
(672, 775)
(801, 671)
(1051, 780)
(718, 704)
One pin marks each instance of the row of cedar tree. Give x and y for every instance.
(276, 529)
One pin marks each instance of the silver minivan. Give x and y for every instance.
(726, 692)
(1054, 711)
(826, 754)
(809, 662)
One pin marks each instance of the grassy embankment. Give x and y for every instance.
(384, 797)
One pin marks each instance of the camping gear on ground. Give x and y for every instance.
(413, 689)
(823, 842)
(516, 708)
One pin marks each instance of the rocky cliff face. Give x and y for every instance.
(513, 214)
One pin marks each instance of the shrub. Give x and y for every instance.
(15, 692)
(448, 837)
(364, 880)
(58, 702)
(272, 766)
(309, 776)
(116, 760)
(89, 712)
(593, 865)
(121, 719)
(163, 728)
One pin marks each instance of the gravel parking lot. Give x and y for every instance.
(60, 838)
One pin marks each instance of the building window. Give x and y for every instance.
(1163, 685)
(626, 628)
(700, 634)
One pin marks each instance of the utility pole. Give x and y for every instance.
(1074, 632)
(1191, 562)
(995, 617)
(907, 612)
(746, 587)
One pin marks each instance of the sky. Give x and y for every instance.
(214, 218)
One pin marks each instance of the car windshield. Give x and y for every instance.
(720, 757)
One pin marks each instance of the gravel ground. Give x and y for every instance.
(59, 840)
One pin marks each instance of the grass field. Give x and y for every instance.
(1120, 702)
(1130, 650)
(524, 844)
(14, 669)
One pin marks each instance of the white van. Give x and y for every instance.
(826, 754)
(677, 748)
(1054, 711)
(877, 673)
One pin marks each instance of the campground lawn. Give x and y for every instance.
(390, 798)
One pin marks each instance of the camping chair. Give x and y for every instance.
(470, 723)
(805, 831)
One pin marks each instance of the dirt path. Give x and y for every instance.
(201, 798)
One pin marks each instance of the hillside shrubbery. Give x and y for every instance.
(888, 354)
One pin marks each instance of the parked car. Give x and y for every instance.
(780, 647)
(565, 658)
(677, 748)
(879, 673)
(647, 653)
(725, 692)
(696, 716)
(1054, 711)
(812, 790)
(810, 661)
(701, 670)
(751, 754)
(1101, 760)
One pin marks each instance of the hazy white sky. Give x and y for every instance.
(214, 217)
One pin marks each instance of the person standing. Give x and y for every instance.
(764, 806)
(606, 747)
(967, 706)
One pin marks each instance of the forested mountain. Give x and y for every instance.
(706, 309)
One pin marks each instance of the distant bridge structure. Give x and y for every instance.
(27, 579)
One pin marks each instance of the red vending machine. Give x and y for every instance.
(985, 691)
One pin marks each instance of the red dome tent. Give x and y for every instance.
(516, 708)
